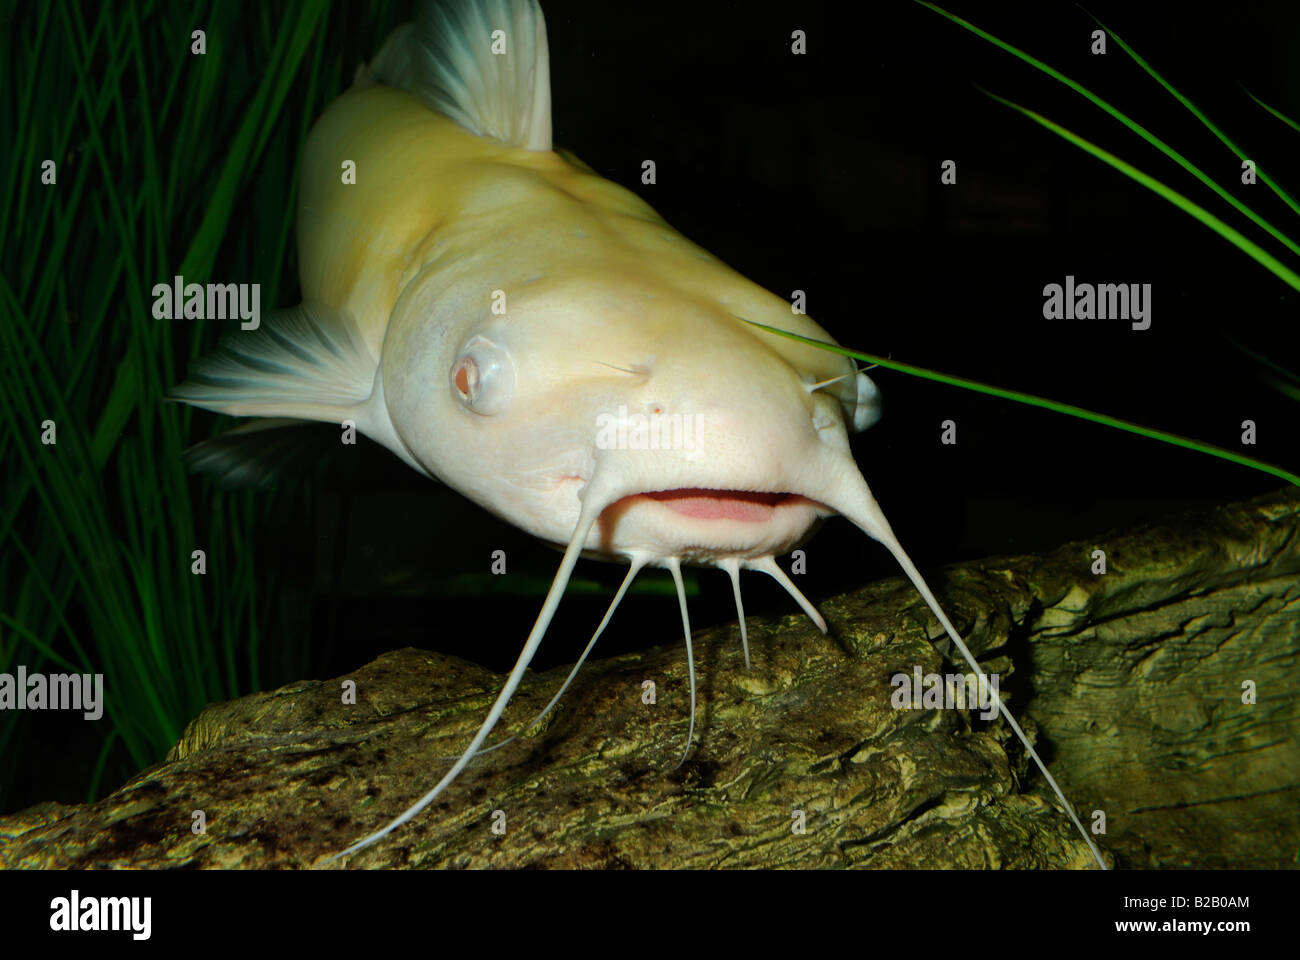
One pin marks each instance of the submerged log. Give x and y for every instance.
(1163, 693)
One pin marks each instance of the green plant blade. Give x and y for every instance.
(1123, 118)
(1031, 400)
(1277, 113)
(1200, 115)
(1231, 234)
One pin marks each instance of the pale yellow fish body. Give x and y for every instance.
(590, 283)
(425, 188)
(483, 307)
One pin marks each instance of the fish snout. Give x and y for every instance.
(736, 480)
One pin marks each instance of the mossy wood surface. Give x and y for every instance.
(1132, 681)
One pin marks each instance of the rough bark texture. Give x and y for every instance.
(1133, 680)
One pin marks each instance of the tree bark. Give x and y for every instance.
(1162, 691)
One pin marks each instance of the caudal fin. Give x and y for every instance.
(482, 63)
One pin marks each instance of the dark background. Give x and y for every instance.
(821, 173)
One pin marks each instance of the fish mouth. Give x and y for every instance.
(701, 523)
(741, 506)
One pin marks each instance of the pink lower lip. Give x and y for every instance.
(720, 504)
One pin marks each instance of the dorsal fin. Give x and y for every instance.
(446, 58)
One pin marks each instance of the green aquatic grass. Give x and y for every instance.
(1188, 206)
(1209, 124)
(1137, 128)
(167, 163)
(170, 163)
(1028, 399)
(1233, 236)
(1277, 113)
(1281, 378)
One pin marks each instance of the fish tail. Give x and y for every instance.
(482, 63)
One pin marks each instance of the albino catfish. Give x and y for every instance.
(487, 308)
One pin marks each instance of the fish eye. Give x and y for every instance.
(483, 377)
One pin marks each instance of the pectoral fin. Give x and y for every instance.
(305, 363)
(263, 452)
